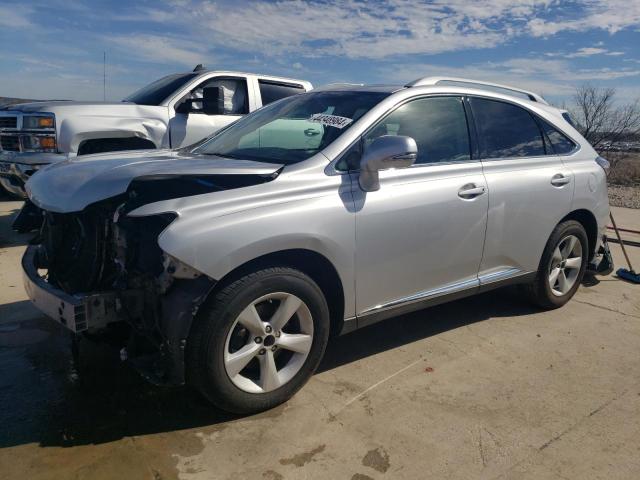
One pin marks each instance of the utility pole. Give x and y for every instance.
(104, 76)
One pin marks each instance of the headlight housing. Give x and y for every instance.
(38, 122)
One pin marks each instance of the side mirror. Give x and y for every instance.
(388, 151)
(184, 107)
(213, 101)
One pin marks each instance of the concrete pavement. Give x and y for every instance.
(486, 387)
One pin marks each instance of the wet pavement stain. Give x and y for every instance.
(272, 475)
(98, 419)
(378, 459)
(360, 476)
(303, 458)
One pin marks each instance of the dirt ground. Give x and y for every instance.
(486, 387)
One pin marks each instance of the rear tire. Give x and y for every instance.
(258, 340)
(561, 267)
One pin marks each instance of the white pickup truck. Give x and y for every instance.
(172, 112)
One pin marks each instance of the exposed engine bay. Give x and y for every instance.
(110, 268)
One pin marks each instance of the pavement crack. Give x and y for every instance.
(579, 422)
(601, 307)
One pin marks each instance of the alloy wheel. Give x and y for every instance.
(268, 343)
(565, 266)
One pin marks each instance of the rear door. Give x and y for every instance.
(421, 235)
(530, 189)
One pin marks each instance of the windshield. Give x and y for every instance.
(292, 129)
(157, 92)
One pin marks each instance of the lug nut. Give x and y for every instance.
(262, 351)
(277, 334)
(258, 339)
(268, 329)
(273, 349)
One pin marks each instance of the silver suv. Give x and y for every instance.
(232, 263)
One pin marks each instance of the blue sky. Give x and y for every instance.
(54, 48)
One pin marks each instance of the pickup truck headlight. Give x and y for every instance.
(38, 122)
(38, 143)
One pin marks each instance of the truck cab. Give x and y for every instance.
(172, 112)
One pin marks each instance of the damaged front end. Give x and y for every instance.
(91, 269)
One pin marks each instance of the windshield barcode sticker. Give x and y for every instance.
(330, 120)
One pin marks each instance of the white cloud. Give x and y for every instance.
(357, 29)
(161, 49)
(587, 52)
(352, 28)
(609, 15)
(555, 78)
(15, 16)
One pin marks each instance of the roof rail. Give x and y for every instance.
(534, 97)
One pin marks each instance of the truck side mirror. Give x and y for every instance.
(213, 101)
(388, 151)
(184, 107)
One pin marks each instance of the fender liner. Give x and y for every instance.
(178, 308)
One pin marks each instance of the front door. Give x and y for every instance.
(189, 128)
(421, 235)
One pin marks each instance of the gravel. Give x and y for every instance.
(624, 196)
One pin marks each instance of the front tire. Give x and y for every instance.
(258, 340)
(562, 266)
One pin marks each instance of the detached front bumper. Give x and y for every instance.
(17, 167)
(602, 261)
(78, 312)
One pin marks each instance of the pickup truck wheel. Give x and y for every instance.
(258, 340)
(562, 266)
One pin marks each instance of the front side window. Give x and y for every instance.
(233, 95)
(272, 91)
(157, 92)
(292, 129)
(506, 130)
(437, 124)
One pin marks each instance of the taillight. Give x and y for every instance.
(604, 163)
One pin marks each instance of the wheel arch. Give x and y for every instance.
(318, 267)
(588, 220)
(128, 142)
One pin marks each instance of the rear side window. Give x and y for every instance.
(560, 143)
(506, 130)
(272, 91)
(437, 124)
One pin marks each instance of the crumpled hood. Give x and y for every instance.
(72, 185)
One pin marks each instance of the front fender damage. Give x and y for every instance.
(103, 251)
(178, 308)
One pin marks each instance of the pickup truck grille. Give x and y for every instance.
(8, 122)
(10, 143)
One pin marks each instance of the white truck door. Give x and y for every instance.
(189, 128)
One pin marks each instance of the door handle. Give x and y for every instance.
(470, 191)
(310, 132)
(558, 180)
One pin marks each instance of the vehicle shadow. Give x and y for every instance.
(48, 401)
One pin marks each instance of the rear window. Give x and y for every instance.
(506, 130)
(272, 91)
